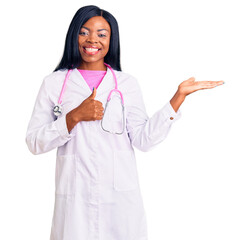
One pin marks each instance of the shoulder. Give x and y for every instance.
(55, 76)
(54, 79)
(52, 83)
(126, 78)
(122, 74)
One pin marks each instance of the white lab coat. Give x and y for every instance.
(97, 194)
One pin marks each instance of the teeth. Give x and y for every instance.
(91, 49)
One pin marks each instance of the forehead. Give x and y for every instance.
(96, 23)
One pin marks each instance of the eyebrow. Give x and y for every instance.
(97, 30)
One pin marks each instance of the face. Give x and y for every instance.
(93, 40)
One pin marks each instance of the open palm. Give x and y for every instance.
(190, 85)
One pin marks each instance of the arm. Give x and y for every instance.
(146, 132)
(190, 86)
(44, 131)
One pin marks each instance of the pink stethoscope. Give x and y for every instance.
(57, 110)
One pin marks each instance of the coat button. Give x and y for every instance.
(171, 118)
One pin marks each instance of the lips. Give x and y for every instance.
(91, 50)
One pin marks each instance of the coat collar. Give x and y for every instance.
(107, 84)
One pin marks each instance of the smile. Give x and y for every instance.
(91, 51)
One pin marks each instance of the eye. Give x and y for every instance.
(102, 35)
(83, 33)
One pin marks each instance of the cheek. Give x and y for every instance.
(81, 40)
(106, 44)
(79, 44)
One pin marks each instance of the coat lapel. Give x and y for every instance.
(77, 78)
(107, 84)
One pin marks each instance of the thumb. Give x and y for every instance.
(192, 79)
(93, 94)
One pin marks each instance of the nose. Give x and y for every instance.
(92, 38)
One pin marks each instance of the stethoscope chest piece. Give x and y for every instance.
(57, 110)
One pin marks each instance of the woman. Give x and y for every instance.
(97, 191)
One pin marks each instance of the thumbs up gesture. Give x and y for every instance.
(89, 110)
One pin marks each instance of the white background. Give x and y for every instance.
(195, 184)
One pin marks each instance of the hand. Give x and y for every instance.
(190, 86)
(89, 110)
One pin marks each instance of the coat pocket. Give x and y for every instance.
(66, 175)
(125, 171)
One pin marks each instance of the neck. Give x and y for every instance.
(95, 66)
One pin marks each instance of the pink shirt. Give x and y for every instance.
(92, 78)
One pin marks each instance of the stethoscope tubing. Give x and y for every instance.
(64, 86)
(58, 108)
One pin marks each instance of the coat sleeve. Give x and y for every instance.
(45, 132)
(145, 132)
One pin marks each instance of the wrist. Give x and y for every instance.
(177, 100)
(180, 94)
(71, 120)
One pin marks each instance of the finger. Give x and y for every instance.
(220, 83)
(98, 109)
(93, 94)
(98, 103)
(192, 79)
(214, 83)
(211, 82)
(208, 84)
(98, 116)
(101, 109)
